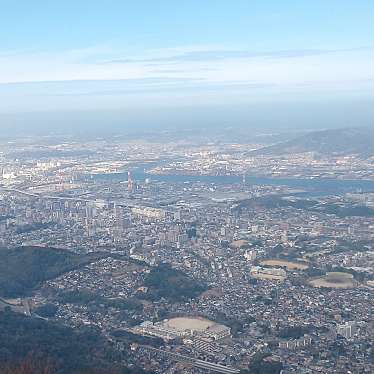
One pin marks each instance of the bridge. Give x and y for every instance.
(211, 366)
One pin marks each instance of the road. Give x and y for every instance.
(194, 362)
(63, 198)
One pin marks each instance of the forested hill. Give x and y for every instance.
(24, 268)
(46, 347)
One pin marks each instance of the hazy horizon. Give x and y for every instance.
(214, 63)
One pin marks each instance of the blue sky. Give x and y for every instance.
(111, 55)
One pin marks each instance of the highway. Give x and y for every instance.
(63, 198)
(47, 197)
(194, 362)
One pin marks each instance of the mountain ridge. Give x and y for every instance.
(344, 141)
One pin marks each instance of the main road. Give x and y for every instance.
(63, 198)
(194, 361)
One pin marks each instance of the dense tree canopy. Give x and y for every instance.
(24, 268)
(66, 350)
(172, 284)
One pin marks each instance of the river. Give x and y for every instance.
(317, 185)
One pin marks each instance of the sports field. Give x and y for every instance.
(334, 280)
(189, 323)
(284, 263)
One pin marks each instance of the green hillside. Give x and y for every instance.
(24, 268)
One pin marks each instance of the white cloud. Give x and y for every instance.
(193, 73)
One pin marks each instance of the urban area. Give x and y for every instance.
(199, 257)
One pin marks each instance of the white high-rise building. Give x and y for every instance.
(347, 330)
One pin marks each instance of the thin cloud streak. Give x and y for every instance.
(198, 75)
(217, 55)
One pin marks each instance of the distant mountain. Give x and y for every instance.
(328, 142)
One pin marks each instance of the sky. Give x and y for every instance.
(228, 59)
